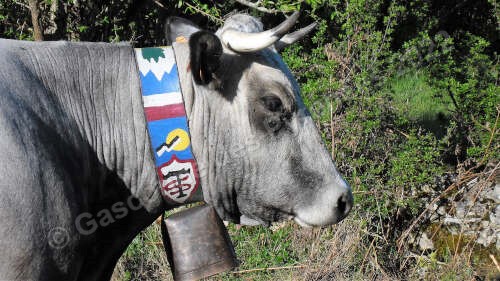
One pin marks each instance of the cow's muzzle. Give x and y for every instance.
(328, 208)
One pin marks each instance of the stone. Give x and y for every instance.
(486, 237)
(460, 209)
(485, 224)
(452, 220)
(424, 243)
(411, 239)
(441, 210)
(426, 189)
(493, 194)
(434, 207)
(454, 225)
(434, 217)
(495, 219)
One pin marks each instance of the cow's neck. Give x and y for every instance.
(208, 128)
(97, 85)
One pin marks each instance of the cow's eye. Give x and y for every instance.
(273, 125)
(272, 103)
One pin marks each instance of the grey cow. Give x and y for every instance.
(73, 141)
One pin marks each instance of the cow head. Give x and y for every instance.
(260, 156)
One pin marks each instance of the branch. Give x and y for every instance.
(257, 7)
(160, 4)
(492, 257)
(22, 4)
(268, 269)
(212, 17)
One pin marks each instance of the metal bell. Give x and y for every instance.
(197, 244)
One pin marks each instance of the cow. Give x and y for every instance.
(73, 141)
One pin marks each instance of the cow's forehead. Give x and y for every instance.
(273, 65)
(270, 76)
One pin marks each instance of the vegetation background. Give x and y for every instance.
(406, 94)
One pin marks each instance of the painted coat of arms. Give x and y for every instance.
(178, 179)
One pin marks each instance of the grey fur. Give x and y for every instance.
(73, 140)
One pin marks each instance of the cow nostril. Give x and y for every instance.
(341, 205)
(344, 204)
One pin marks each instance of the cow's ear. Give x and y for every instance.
(205, 51)
(176, 27)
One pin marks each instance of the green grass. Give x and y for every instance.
(417, 102)
(282, 252)
(144, 259)
(414, 97)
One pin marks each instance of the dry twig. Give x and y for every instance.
(256, 6)
(492, 257)
(269, 268)
(22, 4)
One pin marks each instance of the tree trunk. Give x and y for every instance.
(35, 19)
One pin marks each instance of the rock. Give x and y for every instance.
(454, 225)
(474, 212)
(441, 210)
(411, 238)
(477, 211)
(460, 209)
(434, 207)
(494, 194)
(424, 243)
(473, 220)
(451, 221)
(485, 224)
(495, 218)
(434, 217)
(426, 189)
(486, 237)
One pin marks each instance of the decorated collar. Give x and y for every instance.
(168, 125)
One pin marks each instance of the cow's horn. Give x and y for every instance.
(294, 36)
(250, 42)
